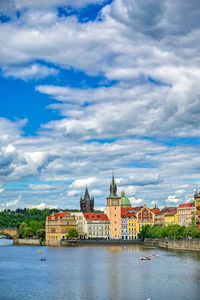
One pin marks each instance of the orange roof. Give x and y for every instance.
(137, 208)
(60, 214)
(186, 205)
(95, 217)
(125, 209)
(155, 210)
(128, 215)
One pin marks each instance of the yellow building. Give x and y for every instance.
(132, 226)
(171, 218)
(114, 211)
(57, 226)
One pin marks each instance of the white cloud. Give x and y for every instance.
(40, 186)
(43, 206)
(33, 71)
(135, 201)
(172, 199)
(13, 202)
(81, 183)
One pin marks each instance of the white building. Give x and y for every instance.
(98, 225)
(124, 226)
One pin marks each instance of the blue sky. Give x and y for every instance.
(91, 86)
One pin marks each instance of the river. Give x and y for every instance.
(97, 273)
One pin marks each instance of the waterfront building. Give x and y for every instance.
(185, 212)
(124, 226)
(114, 211)
(87, 203)
(81, 224)
(132, 226)
(57, 226)
(98, 225)
(160, 219)
(171, 218)
(197, 207)
(144, 216)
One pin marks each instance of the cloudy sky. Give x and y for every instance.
(95, 85)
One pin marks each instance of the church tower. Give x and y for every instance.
(114, 211)
(87, 203)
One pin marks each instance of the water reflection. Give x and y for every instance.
(96, 273)
(6, 242)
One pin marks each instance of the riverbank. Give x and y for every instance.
(190, 245)
(28, 242)
(78, 243)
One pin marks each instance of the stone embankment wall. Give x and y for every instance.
(35, 242)
(192, 245)
(68, 243)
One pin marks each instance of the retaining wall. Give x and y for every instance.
(192, 245)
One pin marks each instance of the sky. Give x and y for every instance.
(87, 87)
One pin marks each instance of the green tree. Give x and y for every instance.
(72, 233)
(41, 233)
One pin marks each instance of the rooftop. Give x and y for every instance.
(95, 217)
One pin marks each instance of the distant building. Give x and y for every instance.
(57, 226)
(124, 226)
(87, 203)
(98, 225)
(114, 211)
(185, 212)
(144, 216)
(197, 207)
(171, 218)
(132, 226)
(160, 218)
(81, 224)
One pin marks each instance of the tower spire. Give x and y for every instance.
(113, 187)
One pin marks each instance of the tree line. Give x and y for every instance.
(171, 231)
(30, 222)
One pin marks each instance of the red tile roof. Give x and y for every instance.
(59, 214)
(125, 209)
(128, 215)
(186, 205)
(95, 217)
(155, 210)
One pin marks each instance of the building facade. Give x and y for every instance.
(144, 216)
(197, 208)
(114, 211)
(81, 225)
(171, 218)
(57, 226)
(132, 226)
(98, 225)
(87, 203)
(124, 226)
(185, 212)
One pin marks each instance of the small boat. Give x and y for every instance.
(154, 255)
(145, 258)
(43, 258)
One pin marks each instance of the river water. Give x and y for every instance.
(96, 273)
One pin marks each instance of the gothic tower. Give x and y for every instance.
(87, 203)
(114, 211)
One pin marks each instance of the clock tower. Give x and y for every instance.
(114, 211)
